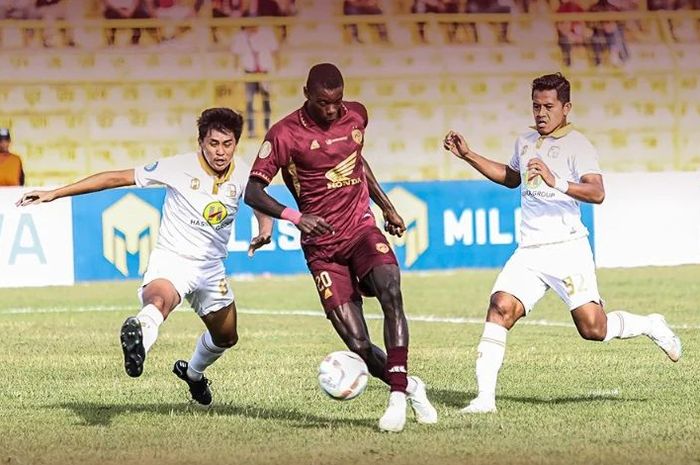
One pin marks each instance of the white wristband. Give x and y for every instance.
(561, 185)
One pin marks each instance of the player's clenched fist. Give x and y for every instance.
(393, 223)
(455, 143)
(314, 225)
(537, 167)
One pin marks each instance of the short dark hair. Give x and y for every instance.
(555, 81)
(325, 76)
(221, 119)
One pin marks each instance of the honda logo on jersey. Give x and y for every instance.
(340, 174)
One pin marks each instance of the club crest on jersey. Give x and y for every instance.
(357, 136)
(265, 149)
(194, 184)
(553, 152)
(339, 176)
(231, 192)
(523, 151)
(382, 248)
(215, 213)
(314, 145)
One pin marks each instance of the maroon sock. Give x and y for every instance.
(396, 368)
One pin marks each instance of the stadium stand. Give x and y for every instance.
(76, 109)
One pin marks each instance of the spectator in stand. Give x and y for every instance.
(683, 29)
(573, 33)
(173, 10)
(255, 48)
(20, 9)
(609, 35)
(51, 11)
(272, 8)
(439, 7)
(11, 172)
(221, 9)
(129, 9)
(364, 7)
(489, 6)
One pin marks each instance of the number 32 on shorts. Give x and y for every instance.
(574, 284)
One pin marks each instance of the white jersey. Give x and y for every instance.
(550, 216)
(199, 206)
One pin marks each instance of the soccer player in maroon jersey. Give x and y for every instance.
(319, 150)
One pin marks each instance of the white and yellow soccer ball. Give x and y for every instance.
(343, 375)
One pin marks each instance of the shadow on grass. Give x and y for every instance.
(458, 399)
(102, 414)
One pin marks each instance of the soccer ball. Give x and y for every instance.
(343, 375)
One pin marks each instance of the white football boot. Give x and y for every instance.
(422, 408)
(662, 335)
(394, 418)
(481, 404)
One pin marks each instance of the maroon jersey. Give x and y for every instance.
(323, 169)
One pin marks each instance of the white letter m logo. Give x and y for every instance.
(129, 225)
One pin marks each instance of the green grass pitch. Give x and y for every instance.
(64, 398)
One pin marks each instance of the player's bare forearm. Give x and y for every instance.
(376, 193)
(492, 170)
(259, 200)
(393, 223)
(97, 182)
(94, 183)
(589, 190)
(497, 172)
(264, 223)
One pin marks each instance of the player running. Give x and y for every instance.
(556, 167)
(319, 150)
(203, 191)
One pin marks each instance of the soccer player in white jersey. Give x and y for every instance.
(556, 167)
(203, 191)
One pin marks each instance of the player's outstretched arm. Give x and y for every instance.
(497, 172)
(393, 223)
(94, 183)
(256, 197)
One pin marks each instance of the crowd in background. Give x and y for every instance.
(600, 38)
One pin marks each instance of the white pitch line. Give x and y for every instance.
(308, 313)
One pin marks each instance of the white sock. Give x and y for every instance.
(205, 353)
(624, 325)
(491, 350)
(150, 319)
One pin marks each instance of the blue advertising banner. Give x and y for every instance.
(282, 256)
(114, 232)
(459, 224)
(450, 224)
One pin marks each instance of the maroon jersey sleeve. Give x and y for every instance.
(360, 109)
(274, 153)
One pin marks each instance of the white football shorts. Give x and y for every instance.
(202, 282)
(566, 267)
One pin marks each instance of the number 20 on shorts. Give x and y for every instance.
(323, 281)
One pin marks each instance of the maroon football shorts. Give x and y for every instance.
(337, 269)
